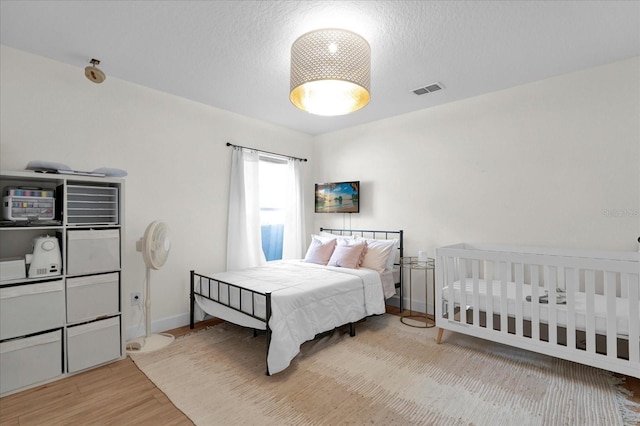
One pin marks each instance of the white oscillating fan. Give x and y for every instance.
(154, 245)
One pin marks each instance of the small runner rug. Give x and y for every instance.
(388, 374)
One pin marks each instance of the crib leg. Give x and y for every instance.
(439, 338)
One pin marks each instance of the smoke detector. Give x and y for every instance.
(433, 87)
(93, 73)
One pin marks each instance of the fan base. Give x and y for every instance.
(149, 344)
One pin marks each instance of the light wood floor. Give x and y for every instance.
(115, 394)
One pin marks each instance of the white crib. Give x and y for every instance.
(578, 305)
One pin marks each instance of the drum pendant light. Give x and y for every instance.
(330, 72)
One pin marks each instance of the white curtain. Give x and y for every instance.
(293, 246)
(244, 242)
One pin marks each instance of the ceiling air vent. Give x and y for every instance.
(433, 87)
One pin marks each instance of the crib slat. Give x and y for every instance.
(519, 273)
(590, 290)
(489, 279)
(504, 299)
(550, 284)
(612, 322)
(463, 290)
(475, 271)
(634, 317)
(450, 292)
(572, 280)
(535, 308)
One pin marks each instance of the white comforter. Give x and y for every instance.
(306, 299)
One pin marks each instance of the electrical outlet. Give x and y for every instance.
(136, 298)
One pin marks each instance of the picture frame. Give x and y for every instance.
(337, 197)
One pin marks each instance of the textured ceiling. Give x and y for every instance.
(234, 55)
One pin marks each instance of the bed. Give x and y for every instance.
(295, 300)
(579, 305)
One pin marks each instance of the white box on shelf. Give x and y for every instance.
(93, 343)
(12, 268)
(30, 308)
(92, 296)
(92, 251)
(31, 360)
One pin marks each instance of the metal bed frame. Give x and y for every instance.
(251, 311)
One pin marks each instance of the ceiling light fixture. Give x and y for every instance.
(93, 73)
(330, 72)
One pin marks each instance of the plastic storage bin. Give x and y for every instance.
(28, 208)
(31, 360)
(92, 296)
(92, 205)
(94, 343)
(31, 308)
(93, 251)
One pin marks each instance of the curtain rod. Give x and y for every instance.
(266, 152)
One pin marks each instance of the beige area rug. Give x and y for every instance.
(388, 374)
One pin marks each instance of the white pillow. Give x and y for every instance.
(393, 255)
(381, 254)
(347, 255)
(110, 171)
(351, 242)
(320, 251)
(346, 238)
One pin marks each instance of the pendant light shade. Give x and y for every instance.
(330, 72)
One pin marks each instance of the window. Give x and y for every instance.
(274, 177)
(277, 182)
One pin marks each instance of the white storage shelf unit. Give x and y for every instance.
(62, 324)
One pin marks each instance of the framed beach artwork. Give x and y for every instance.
(337, 197)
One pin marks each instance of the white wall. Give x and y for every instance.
(551, 163)
(173, 150)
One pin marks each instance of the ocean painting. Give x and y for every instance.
(338, 197)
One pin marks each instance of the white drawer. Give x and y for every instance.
(92, 296)
(93, 343)
(93, 251)
(30, 308)
(31, 360)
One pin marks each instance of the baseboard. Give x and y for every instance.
(159, 325)
(417, 305)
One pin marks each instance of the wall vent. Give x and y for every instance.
(433, 87)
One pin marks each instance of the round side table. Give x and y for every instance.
(416, 319)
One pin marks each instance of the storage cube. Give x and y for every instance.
(92, 296)
(30, 308)
(12, 268)
(93, 251)
(30, 360)
(94, 343)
